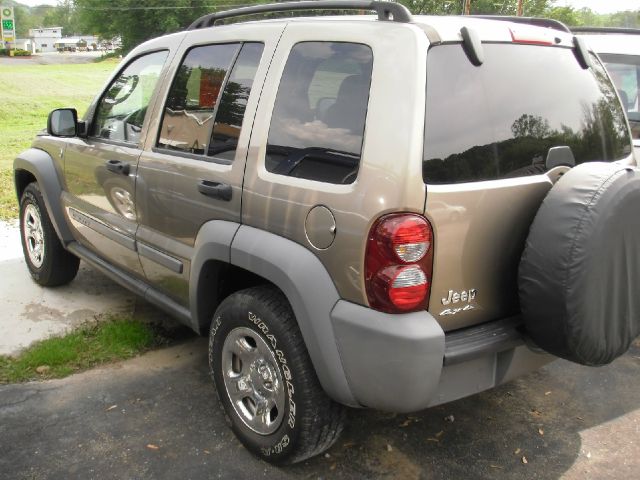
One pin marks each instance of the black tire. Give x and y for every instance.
(51, 265)
(311, 422)
(580, 269)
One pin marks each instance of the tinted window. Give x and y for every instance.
(191, 104)
(319, 116)
(123, 108)
(499, 120)
(233, 103)
(625, 73)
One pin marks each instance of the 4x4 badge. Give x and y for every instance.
(453, 311)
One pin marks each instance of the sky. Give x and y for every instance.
(601, 6)
(598, 6)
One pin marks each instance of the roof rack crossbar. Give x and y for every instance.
(386, 10)
(536, 21)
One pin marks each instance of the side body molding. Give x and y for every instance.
(311, 293)
(40, 164)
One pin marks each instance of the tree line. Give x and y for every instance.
(135, 21)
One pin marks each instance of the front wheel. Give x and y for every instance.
(265, 380)
(49, 263)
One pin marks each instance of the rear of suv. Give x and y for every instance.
(389, 212)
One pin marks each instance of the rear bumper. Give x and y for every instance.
(405, 363)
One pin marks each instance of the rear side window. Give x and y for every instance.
(206, 103)
(499, 120)
(318, 120)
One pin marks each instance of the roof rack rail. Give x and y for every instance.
(386, 10)
(630, 31)
(536, 21)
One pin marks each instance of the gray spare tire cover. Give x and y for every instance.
(579, 275)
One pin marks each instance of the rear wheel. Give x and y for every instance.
(49, 263)
(265, 381)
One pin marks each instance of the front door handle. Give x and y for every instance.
(116, 166)
(221, 191)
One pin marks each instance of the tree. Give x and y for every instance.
(530, 126)
(566, 15)
(135, 21)
(63, 15)
(481, 7)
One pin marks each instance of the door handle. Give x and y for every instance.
(221, 191)
(116, 166)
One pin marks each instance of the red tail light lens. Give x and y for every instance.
(538, 38)
(398, 263)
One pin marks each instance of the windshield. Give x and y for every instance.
(500, 119)
(625, 73)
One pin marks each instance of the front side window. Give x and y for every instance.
(500, 120)
(318, 121)
(206, 103)
(123, 108)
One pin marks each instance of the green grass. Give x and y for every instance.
(28, 94)
(91, 345)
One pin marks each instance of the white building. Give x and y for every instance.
(70, 44)
(44, 39)
(23, 44)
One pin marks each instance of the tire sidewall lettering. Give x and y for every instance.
(284, 367)
(260, 326)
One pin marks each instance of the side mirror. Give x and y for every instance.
(63, 122)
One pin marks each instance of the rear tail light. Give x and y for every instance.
(398, 263)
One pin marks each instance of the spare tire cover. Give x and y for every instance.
(579, 275)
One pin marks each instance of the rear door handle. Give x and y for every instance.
(116, 166)
(217, 190)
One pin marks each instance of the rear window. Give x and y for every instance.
(499, 120)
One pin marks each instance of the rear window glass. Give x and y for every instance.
(499, 120)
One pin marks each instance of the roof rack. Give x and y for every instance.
(630, 31)
(536, 21)
(388, 11)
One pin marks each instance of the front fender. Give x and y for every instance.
(40, 164)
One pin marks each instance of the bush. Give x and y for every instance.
(16, 53)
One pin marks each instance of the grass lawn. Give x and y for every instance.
(91, 345)
(28, 94)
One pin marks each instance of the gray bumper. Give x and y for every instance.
(405, 363)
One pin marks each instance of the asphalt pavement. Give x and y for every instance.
(156, 416)
(52, 58)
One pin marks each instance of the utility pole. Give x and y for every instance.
(467, 7)
(519, 8)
